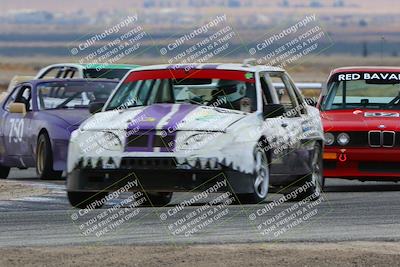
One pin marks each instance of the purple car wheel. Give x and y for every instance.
(44, 159)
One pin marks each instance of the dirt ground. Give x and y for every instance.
(269, 254)
(10, 190)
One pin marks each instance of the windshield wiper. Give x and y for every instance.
(134, 106)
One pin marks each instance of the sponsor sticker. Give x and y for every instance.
(385, 76)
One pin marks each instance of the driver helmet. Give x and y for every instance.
(233, 90)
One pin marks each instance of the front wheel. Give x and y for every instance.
(44, 159)
(261, 180)
(4, 171)
(83, 200)
(314, 182)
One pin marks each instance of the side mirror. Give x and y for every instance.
(273, 110)
(311, 101)
(17, 108)
(96, 107)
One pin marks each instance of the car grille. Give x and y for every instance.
(138, 141)
(146, 141)
(388, 139)
(371, 139)
(382, 139)
(374, 138)
(148, 163)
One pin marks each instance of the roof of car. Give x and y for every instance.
(366, 69)
(37, 81)
(220, 66)
(110, 66)
(94, 66)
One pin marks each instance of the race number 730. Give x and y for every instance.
(16, 130)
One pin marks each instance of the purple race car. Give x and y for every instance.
(37, 118)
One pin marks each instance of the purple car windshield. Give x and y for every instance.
(73, 94)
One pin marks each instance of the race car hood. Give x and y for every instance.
(360, 120)
(70, 116)
(167, 117)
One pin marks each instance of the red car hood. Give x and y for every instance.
(361, 120)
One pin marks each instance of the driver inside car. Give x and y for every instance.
(229, 94)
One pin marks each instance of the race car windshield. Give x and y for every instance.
(363, 94)
(218, 88)
(116, 74)
(72, 94)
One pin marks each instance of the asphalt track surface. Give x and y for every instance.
(349, 211)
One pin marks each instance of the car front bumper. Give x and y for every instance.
(362, 163)
(163, 174)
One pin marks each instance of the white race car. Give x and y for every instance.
(184, 127)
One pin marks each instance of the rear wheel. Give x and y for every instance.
(261, 180)
(84, 200)
(4, 171)
(314, 182)
(44, 159)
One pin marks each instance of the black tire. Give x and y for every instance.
(315, 179)
(261, 180)
(82, 200)
(323, 184)
(4, 171)
(159, 199)
(44, 159)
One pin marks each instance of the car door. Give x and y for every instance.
(290, 142)
(275, 126)
(16, 126)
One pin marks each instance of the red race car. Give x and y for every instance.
(360, 110)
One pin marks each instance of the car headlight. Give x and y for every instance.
(110, 141)
(329, 139)
(343, 139)
(194, 141)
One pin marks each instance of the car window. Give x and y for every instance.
(227, 89)
(105, 73)
(11, 97)
(266, 93)
(69, 73)
(25, 96)
(73, 94)
(285, 92)
(362, 93)
(298, 95)
(50, 73)
(22, 94)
